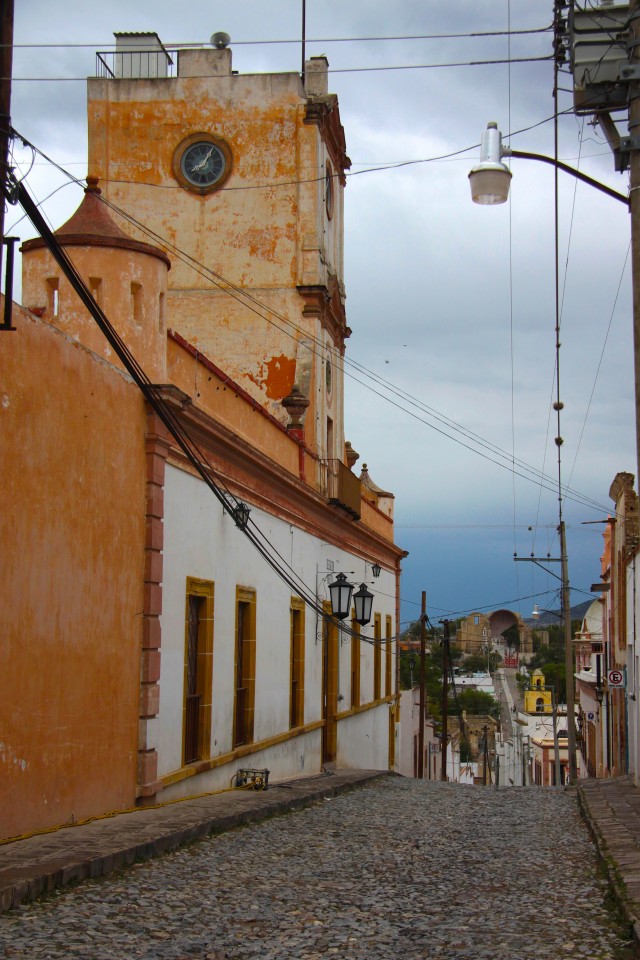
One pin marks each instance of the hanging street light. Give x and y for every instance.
(340, 592)
(490, 179)
(241, 515)
(363, 602)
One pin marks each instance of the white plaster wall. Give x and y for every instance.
(201, 542)
(409, 728)
(363, 740)
(284, 761)
(633, 668)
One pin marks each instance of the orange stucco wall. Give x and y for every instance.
(220, 400)
(72, 476)
(265, 232)
(109, 273)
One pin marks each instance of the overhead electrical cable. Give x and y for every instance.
(480, 446)
(271, 184)
(153, 395)
(600, 360)
(336, 70)
(248, 43)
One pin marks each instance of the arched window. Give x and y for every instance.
(540, 705)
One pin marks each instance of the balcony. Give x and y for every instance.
(340, 486)
(144, 61)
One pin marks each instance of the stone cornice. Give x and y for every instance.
(255, 476)
(324, 112)
(325, 304)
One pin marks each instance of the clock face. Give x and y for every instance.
(203, 164)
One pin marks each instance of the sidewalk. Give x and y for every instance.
(611, 809)
(38, 864)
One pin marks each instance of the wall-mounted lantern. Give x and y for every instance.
(241, 515)
(363, 602)
(340, 592)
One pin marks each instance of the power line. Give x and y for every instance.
(335, 70)
(248, 43)
(475, 444)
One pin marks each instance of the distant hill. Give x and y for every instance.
(548, 618)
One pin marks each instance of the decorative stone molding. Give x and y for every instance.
(157, 444)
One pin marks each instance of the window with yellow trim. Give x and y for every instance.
(388, 658)
(377, 656)
(198, 671)
(355, 663)
(244, 667)
(296, 674)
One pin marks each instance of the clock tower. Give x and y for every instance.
(240, 179)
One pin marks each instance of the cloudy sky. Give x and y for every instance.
(452, 305)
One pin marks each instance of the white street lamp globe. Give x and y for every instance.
(489, 180)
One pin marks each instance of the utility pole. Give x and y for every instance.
(6, 67)
(634, 199)
(485, 754)
(445, 699)
(556, 746)
(423, 645)
(568, 653)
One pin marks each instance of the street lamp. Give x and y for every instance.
(490, 178)
(241, 515)
(340, 592)
(363, 602)
(489, 181)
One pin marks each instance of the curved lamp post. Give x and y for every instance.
(489, 181)
(490, 178)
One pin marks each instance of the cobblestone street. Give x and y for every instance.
(398, 869)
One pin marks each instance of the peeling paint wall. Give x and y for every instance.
(263, 234)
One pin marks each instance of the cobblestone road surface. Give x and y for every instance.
(399, 869)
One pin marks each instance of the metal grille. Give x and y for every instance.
(130, 64)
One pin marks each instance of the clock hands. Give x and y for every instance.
(201, 164)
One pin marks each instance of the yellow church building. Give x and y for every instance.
(537, 699)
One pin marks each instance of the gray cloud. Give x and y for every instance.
(466, 289)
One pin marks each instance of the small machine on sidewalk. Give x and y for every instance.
(247, 779)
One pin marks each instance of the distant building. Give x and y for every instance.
(481, 633)
(590, 665)
(606, 647)
(538, 698)
(543, 771)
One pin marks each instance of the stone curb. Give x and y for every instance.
(594, 815)
(21, 884)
